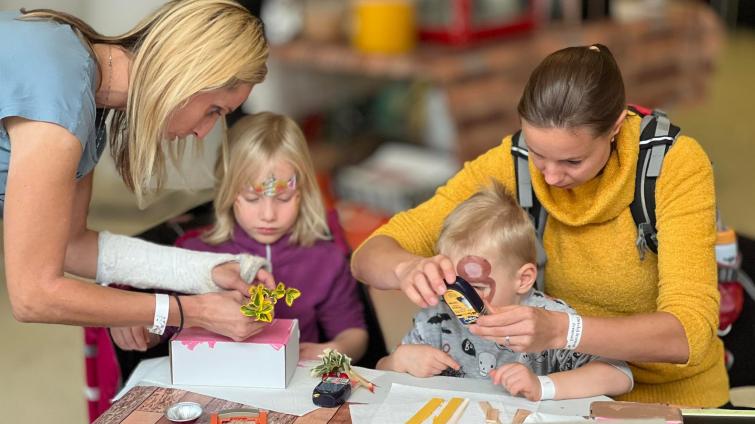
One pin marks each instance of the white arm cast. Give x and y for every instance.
(146, 265)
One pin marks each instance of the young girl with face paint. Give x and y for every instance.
(268, 203)
(491, 243)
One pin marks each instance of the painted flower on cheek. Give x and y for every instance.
(476, 269)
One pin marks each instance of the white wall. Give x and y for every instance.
(106, 16)
(116, 16)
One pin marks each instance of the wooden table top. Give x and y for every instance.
(147, 405)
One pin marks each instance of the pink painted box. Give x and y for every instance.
(266, 360)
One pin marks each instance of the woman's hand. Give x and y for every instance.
(221, 313)
(421, 360)
(523, 328)
(422, 279)
(518, 380)
(134, 338)
(228, 276)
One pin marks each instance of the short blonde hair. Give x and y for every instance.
(491, 220)
(185, 47)
(254, 142)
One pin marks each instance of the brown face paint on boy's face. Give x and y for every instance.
(476, 269)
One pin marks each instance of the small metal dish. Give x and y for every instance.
(183, 412)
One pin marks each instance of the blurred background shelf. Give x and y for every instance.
(666, 60)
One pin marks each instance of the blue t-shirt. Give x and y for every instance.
(47, 74)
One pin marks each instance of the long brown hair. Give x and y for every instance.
(183, 48)
(575, 87)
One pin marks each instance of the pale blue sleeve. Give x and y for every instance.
(47, 75)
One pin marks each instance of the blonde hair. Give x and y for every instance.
(490, 220)
(254, 142)
(185, 47)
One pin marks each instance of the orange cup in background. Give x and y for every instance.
(384, 26)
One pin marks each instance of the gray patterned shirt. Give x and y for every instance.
(438, 327)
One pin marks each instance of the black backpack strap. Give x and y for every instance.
(528, 201)
(657, 135)
(524, 192)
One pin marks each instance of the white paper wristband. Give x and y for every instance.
(574, 334)
(547, 387)
(162, 308)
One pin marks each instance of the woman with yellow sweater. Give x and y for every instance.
(659, 313)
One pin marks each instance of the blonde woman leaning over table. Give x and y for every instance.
(659, 313)
(170, 77)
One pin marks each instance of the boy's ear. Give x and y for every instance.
(526, 276)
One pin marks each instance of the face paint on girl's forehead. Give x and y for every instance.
(272, 186)
(476, 269)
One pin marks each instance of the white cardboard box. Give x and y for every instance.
(266, 360)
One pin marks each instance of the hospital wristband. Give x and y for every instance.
(162, 307)
(547, 387)
(574, 334)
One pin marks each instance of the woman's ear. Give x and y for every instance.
(526, 276)
(617, 124)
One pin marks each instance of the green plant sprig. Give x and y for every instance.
(262, 301)
(334, 361)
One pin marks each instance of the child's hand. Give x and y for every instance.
(422, 279)
(133, 338)
(422, 360)
(517, 379)
(311, 350)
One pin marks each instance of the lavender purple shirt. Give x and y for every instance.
(329, 303)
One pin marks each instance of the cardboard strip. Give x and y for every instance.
(452, 411)
(425, 411)
(459, 412)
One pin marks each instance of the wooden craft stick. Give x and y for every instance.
(449, 411)
(484, 406)
(424, 413)
(520, 416)
(491, 417)
(491, 414)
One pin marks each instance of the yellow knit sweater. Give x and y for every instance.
(593, 262)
